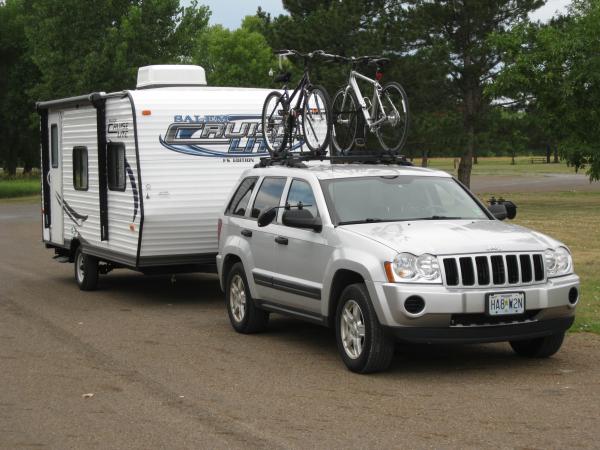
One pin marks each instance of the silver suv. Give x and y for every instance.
(389, 252)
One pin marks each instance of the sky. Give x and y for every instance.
(230, 13)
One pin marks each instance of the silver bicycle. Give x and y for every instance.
(384, 113)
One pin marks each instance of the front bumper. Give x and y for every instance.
(459, 314)
(481, 333)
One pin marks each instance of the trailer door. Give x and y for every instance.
(55, 177)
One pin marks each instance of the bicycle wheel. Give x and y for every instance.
(274, 121)
(392, 131)
(316, 120)
(346, 118)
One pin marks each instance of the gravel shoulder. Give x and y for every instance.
(167, 371)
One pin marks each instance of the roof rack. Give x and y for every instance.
(298, 160)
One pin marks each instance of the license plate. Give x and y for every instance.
(505, 304)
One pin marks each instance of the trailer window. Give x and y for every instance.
(241, 198)
(116, 166)
(268, 195)
(80, 168)
(54, 145)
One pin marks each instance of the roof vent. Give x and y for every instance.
(170, 75)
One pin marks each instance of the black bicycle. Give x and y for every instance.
(290, 121)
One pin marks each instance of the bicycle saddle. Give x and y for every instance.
(284, 77)
(378, 62)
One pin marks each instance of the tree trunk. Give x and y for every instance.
(556, 154)
(475, 156)
(466, 160)
(424, 161)
(548, 151)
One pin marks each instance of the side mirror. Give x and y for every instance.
(498, 211)
(511, 209)
(302, 218)
(266, 217)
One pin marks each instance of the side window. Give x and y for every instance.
(54, 145)
(268, 195)
(80, 168)
(115, 162)
(241, 198)
(301, 192)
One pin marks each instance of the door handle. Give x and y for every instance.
(246, 233)
(281, 240)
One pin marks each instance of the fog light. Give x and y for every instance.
(573, 295)
(414, 304)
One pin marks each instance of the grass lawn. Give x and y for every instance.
(572, 218)
(19, 187)
(501, 166)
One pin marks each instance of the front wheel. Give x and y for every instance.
(244, 315)
(86, 270)
(362, 341)
(394, 112)
(346, 117)
(275, 128)
(316, 120)
(542, 347)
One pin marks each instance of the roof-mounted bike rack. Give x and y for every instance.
(294, 160)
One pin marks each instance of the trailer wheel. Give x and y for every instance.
(86, 270)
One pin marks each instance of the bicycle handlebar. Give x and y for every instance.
(321, 53)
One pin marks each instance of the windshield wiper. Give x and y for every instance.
(367, 220)
(439, 218)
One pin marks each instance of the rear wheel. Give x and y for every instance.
(244, 315)
(543, 347)
(361, 339)
(275, 131)
(86, 270)
(392, 131)
(346, 118)
(316, 120)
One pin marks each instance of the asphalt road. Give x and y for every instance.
(167, 371)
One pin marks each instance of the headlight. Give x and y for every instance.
(558, 262)
(407, 267)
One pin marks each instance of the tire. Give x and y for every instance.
(86, 270)
(375, 349)
(346, 118)
(543, 347)
(244, 315)
(392, 132)
(275, 130)
(316, 120)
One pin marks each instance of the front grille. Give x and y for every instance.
(493, 270)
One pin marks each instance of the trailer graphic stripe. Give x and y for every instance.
(136, 196)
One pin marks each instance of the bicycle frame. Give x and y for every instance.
(376, 103)
(299, 90)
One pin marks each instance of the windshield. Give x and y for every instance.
(398, 198)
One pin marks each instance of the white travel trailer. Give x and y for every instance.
(138, 178)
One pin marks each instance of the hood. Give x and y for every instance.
(450, 237)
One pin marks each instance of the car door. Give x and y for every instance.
(263, 243)
(301, 256)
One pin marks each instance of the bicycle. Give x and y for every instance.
(385, 115)
(308, 122)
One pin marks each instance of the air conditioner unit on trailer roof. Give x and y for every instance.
(170, 75)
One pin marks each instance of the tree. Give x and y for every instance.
(235, 58)
(85, 46)
(455, 34)
(18, 74)
(553, 72)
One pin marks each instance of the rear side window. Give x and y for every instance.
(241, 198)
(54, 145)
(80, 168)
(268, 195)
(116, 166)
